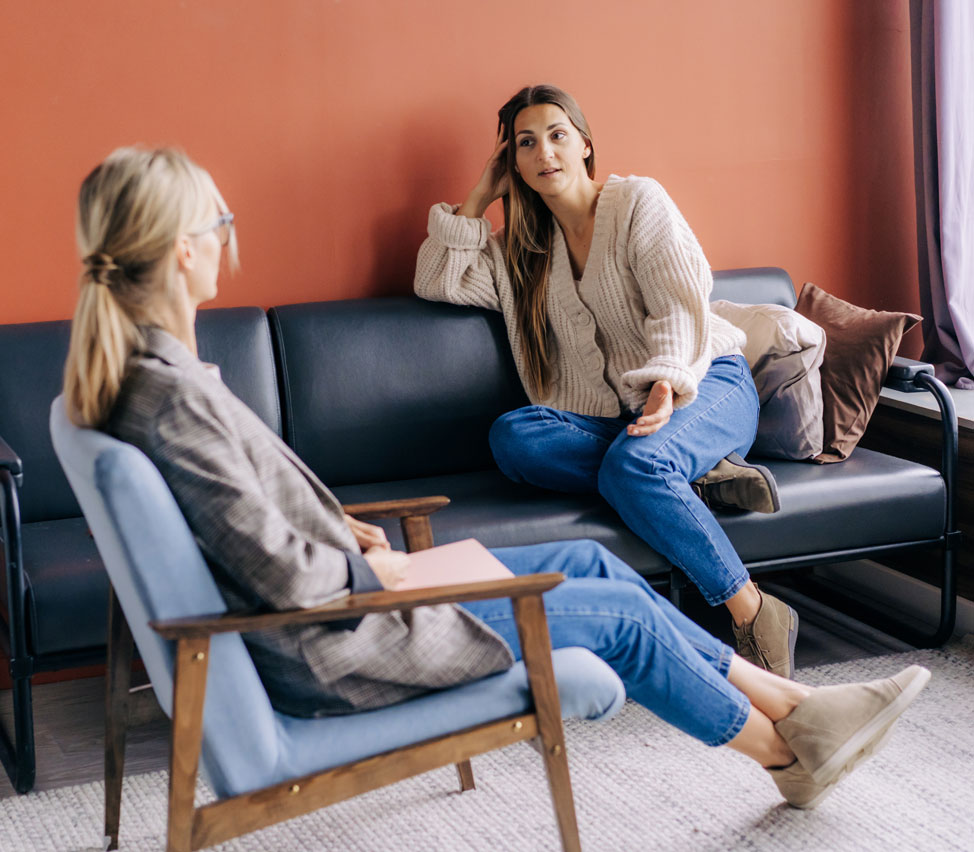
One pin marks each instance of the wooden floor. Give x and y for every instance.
(69, 716)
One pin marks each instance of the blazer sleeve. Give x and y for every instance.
(675, 281)
(459, 261)
(241, 532)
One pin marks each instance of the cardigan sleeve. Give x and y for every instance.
(459, 260)
(675, 281)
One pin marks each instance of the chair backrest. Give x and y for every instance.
(32, 359)
(158, 572)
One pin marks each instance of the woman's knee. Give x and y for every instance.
(623, 468)
(511, 439)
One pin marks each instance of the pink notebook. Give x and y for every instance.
(466, 561)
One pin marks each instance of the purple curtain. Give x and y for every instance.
(942, 33)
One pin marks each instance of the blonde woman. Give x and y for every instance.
(638, 389)
(152, 229)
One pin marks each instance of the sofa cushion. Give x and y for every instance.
(31, 374)
(872, 499)
(67, 587)
(238, 340)
(380, 389)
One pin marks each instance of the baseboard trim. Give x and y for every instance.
(896, 590)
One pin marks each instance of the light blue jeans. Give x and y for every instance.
(646, 478)
(668, 664)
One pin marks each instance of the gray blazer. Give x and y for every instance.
(275, 538)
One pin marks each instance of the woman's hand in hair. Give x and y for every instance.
(367, 535)
(656, 412)
(388, 565)
(493, 183)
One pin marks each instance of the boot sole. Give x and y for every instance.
(871, 736)
(736, 459)
(792, 638)
(867, 752)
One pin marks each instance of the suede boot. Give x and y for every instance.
(768, 641)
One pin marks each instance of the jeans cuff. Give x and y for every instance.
(723, 597)
(744, 710)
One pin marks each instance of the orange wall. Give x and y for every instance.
(782, 129)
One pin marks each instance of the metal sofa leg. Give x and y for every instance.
(17, 756)
(678, 585)
(827, 594)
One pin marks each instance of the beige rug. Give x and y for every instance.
(638, 785)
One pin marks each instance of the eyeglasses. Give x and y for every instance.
(223, 226)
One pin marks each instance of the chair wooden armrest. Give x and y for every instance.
(395, 508)
(413, 513)
(354, 606)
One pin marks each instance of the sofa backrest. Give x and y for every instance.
(394, 388)
(385, 389)
(32, 359)
(759, 285)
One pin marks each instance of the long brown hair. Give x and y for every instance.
(131, 209)
(528, 233)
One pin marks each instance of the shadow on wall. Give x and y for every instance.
(880, 182)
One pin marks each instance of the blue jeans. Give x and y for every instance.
(668, 664)
(646, 478)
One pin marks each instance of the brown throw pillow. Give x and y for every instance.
(859, 347)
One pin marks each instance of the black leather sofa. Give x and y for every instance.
(393, 397)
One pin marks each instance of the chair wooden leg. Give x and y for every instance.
(465, 776)
(416, 532)
(532, 628)
(118, 676)
(189, 692)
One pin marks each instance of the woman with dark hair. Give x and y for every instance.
(638, 389)
(152, 233)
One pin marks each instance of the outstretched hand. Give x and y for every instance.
(494, 182)
(656, 412)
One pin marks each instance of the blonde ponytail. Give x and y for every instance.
(131, 209)
(103, 336)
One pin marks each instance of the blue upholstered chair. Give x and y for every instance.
(264, 766)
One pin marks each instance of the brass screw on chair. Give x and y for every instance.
(294, 788)
(199, 656)
(556, 750)
(518, 726)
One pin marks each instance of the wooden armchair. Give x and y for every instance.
(291, 766)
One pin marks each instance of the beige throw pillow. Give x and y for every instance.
(784, 351)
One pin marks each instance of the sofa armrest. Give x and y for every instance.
(903, 372)
(9, 460)
(355, 606)
(911, 376)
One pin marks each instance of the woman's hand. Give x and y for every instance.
(367, 535)
(493, 183)
(388, 565)
(656, 412)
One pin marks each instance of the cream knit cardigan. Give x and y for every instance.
(640, 313)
